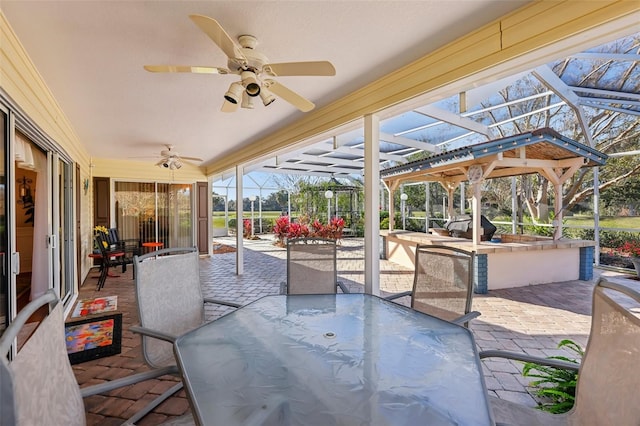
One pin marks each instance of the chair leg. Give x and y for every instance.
(104, 270)
(153, 404)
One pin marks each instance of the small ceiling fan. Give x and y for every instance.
(173, 160)
(254, 70)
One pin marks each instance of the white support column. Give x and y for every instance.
(427, 196)
(596, 214)
(239, 227)
(210, 215)
(514, 205)
(259, 210)
(463, 198)
(226, 208)
(372, 205)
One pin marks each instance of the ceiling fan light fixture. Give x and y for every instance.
(176, 164)
(250, 82)
(247, 101)
(267, 97)
(234, 93)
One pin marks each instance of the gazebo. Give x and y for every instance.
(543, 151)
(344, 200)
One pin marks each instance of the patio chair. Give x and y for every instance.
(38, 386)
(131, 247)
(111, 257)
(170, 303)
(311, 267)
(442, 283)
(608, 376)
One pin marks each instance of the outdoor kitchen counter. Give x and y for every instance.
(516, 261)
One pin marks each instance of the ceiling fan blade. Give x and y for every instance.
(214, 30)
(191, 158)
(186, 68)
(290, 96)
(228, 106)
(322, 68)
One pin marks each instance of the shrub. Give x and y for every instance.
(247, 227)
(553, 384)
(281, 228)
(284, 229)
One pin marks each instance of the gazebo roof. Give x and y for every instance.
(544, 151)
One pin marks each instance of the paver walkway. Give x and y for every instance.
(530, 319)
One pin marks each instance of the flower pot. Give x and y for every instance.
(636, 264)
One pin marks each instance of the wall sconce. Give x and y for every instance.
(24, 190)
(85, 185)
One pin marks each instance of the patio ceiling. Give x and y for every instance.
(604, 78)
(91, 56)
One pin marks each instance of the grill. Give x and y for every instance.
(462, 227)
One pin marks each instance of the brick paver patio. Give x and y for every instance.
(531, 319)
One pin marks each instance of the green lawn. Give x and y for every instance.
(606, 221)
(218, 217)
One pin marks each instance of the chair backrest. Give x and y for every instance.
(443, 281)
(609, 376)
(102, 241)
(39, 382)
(169, 298)
(112, 236)
(311, 266)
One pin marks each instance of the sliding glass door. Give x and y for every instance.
(4, 234)
(155, 212)
(62, 243)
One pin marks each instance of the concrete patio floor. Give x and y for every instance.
(532, 319)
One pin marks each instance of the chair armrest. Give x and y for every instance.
(555, 363)
(126, 381)
(153, 333)
(466, 318)
(398, 295)
(222, 302)
(343, 287)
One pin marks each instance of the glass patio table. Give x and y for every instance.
(345, 359)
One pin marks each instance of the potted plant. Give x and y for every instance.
(96, 230)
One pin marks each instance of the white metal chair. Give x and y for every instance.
(38, 386)
(312, 267)
(608, 377)
(442, 283)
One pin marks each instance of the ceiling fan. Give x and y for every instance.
(173, 160)
(253, 67)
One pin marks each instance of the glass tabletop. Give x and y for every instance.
(346, 359)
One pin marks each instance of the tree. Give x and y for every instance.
(611, 130)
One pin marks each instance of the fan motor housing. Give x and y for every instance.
(255, 61)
